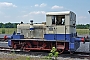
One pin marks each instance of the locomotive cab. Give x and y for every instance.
(60, 25)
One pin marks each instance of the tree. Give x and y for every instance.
(3, 31)
(82, 26)
(1, 25)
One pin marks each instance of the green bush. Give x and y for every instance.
(3, 31)
(53, 53)
(28, 58)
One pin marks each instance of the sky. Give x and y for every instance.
(15, 11)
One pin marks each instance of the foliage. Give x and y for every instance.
(8, 25)
(27, 58)
(3, 31)
(82, 26)
(53, 53)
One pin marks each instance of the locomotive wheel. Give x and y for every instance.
(71, 52)
(27, 50)
(14, 46)
(27, 46)
(61, 51)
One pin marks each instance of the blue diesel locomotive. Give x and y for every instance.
(58, 31)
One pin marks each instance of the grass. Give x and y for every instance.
(19, 57)
(11, 30)
(83, 31)
(23, 58)
(8, 30)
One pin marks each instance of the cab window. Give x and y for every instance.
(60, 20)
(53, 19)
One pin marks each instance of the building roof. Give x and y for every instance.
(58, 13)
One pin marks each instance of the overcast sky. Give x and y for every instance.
(16, 11)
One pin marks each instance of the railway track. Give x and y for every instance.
(43, 53)
(77, 55)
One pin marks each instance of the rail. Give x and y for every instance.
(64, 55)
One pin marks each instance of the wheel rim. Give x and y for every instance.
(27, 46)
(61, 51)
(71, 52)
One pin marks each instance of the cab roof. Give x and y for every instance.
(59, 13)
